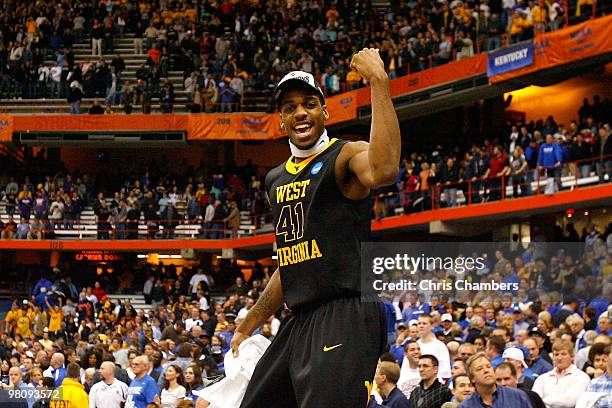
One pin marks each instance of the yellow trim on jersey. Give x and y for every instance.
(295, 168)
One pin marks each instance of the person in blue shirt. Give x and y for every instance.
(488, 394)
(56, 369)
(16, 382)
(537, 364)
(550, 158)
(512, 279)
(516, 357)
(386, 376)
(143, 388)
(495, 348)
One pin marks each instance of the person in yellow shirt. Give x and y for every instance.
(539, 14)
(191, 14)
(167, 17)
(71, 394)
(11, 318)
(25, 193)
(55, 317)
(516, 29)
(353, 79)
(23, 328)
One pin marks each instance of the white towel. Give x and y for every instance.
(229, 392)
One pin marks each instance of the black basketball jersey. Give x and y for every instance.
(318, 230)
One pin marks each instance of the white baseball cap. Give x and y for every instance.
(446, 317)
(514, 353)
(297, 78)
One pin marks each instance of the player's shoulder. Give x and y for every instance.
(354, 146)
(274, 173)
(350, 148)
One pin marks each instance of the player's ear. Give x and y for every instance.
(325, 113)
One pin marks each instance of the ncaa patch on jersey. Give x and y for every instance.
(316, 168)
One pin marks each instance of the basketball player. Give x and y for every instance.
(326, 351)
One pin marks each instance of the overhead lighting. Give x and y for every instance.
(141, 256)
(176, 256)
(163, 256)
(586, 213)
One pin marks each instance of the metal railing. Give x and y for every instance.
(541, 180)
(77, 228)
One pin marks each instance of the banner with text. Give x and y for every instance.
(234, 126)
(571, 44)
(508, 59)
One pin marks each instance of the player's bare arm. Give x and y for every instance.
(269, 302)
(363, 166)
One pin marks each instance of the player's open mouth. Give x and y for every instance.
(302, 128)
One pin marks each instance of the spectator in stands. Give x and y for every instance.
(23, 229)
(96, 108)
(430, 393)
(462, 390)
(387, 374)
(449, 175)
(75, 96)
(494, 350)
(103, 220)
(36, 229)
(143, 390)
(487, 393)
(173, 390)
(429, 344)
(515, 356)
(120, 220)
(167, 99)
(564, 384)
(10, 229)
(599, 390)
(56, 369)
(498, 169)
(464, 46)
(550, 159)
(603, 150)
(518, 167)
(537, 364)
(15, 382)
(110, 390)
(97, 33)
(507, 377)
(71, 392)
(226, 96)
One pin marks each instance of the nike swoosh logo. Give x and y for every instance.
(326, 349)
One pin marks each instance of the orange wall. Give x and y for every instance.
(562, 100)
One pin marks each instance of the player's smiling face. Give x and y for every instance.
(303, 117)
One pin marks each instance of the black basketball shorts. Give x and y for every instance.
(325, 357)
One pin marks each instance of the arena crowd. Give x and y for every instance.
(525, 154)
(547, 342)
(225, 47)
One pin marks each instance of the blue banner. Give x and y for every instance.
(509, 58)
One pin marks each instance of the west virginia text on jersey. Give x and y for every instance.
(304, 251)
(291, 191)
(318, 230)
